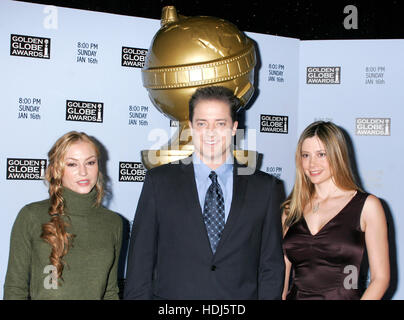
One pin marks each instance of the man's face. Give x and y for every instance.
(212, 130)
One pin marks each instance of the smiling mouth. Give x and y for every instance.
(210, 142)
(83, 182)
(315, 173)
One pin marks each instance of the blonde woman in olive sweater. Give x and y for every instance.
(68, 246)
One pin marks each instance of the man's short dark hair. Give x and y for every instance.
(215, 93)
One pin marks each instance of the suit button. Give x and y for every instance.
(213, 268)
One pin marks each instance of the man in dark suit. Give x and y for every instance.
(203, 228)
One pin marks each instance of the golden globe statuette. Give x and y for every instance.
(188, 53)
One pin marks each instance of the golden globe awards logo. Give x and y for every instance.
(133, 57)
(373, 126)
(131, 172)
(25, 169)
(273, 124)
(323, 75)
(84, 111)
(29, 46)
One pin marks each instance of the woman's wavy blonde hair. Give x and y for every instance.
(337, 155)
(54, 232)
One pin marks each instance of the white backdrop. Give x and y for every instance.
(62, 65)
(368, 105)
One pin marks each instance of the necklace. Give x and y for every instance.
(316, 207)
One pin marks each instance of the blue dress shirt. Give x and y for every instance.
(224, 177)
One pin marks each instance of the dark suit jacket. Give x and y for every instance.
(170, 255)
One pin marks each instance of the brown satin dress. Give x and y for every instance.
(319, 261)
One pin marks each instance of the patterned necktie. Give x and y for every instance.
(213, 211)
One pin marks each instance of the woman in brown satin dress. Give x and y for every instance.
(329, 222)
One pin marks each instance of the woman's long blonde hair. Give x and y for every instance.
(54, 232)
(337, 155)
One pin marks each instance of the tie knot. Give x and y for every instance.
(213, 176)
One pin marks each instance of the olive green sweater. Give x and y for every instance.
(91, 264)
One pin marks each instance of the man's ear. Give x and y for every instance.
(234, 129)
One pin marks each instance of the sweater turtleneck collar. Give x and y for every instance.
(77, 203)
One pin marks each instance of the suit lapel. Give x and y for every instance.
(190, 192)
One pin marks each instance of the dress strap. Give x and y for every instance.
(356, 209)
